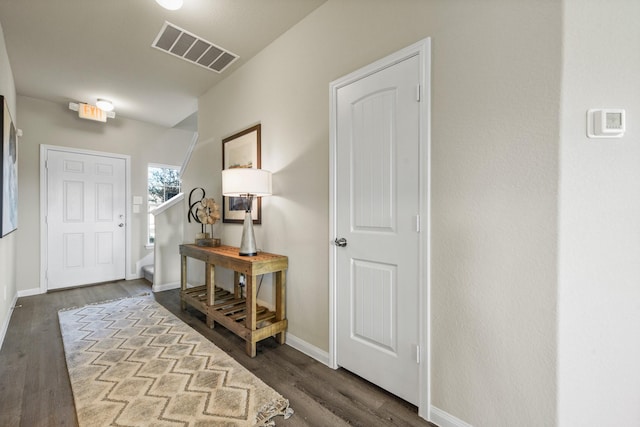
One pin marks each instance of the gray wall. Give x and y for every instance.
(47, 123)
(496, 94)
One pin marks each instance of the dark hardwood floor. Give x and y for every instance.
(35, 389)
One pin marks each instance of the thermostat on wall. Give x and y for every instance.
(605, 123)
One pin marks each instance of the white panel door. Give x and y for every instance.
(86, 198)
(377, 203)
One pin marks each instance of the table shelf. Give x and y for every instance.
(241, 315)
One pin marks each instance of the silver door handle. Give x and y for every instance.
(341, 242)
(121, 224)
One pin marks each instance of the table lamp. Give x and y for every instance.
(246, 183)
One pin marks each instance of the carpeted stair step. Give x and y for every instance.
(147, 272)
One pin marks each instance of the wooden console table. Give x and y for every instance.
(239, 314)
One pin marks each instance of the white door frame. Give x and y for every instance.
(44, 149)
(423, 50)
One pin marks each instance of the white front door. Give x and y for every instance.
(86, 198)
(377, 187)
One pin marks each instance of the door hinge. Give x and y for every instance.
(418, 223)
(418, 91)
(418, 354)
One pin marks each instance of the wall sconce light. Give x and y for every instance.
(246, 183)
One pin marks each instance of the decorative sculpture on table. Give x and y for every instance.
(205, 212)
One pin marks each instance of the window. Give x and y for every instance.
(163, 184)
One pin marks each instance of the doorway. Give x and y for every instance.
(84, 236)
(380, 223)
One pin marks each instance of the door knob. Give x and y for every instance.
(341, 242)
(121, 225)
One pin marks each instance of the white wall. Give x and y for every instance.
(496, 86)
(8, 243)
(169, 235)
(599, 286)
(48, 123)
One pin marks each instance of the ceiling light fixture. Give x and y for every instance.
(170, 4)
(104, 105)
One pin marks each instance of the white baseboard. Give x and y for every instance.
(308, 349)
(165, 287)
(444, 419)
(5, 324)
(30, 292)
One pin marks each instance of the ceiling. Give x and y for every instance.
(81, 50)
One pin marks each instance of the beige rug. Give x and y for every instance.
(133, 363)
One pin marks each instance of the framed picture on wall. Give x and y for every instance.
(9, 176)
(241, 150)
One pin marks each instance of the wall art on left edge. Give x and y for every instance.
(9, 177)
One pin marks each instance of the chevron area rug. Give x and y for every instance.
(133, 363)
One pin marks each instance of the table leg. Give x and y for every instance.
(251, 348)
(280, 281)
(236, 285)
(250, 320)
(210, 276)
(183, 281)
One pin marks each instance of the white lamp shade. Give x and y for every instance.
(242, 181)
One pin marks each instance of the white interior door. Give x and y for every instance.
(377, 213)
(86, 199)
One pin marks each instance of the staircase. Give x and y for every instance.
(147, 272)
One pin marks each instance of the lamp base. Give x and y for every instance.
(248, 242)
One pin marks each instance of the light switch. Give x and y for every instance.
(137, 200)
(136, 208)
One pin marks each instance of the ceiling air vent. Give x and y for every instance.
(181, 43)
